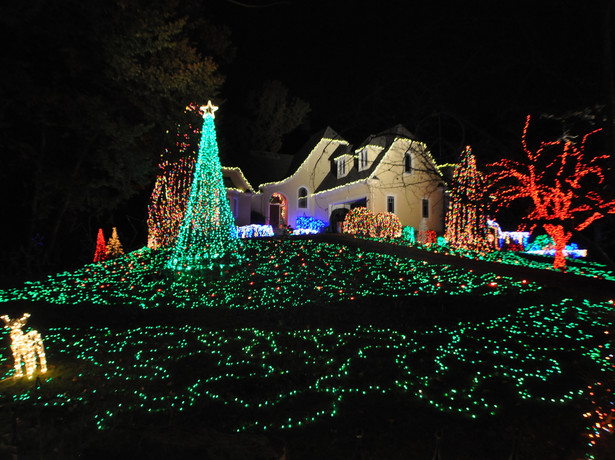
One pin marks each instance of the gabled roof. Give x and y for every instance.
(384, 140)
(304, 152)
(234, 179)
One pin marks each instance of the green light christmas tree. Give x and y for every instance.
(208, 237)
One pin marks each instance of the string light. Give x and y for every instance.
(172, 188)
(254, 230)
(101, 247)
(316, 371)
(114, 246)
(361, 221)
(358, 221)
(309, 224)
(449, 368)
(465, 221)
(25, 347)
(556, 187)
(208, 236)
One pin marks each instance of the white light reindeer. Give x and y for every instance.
(25, 347)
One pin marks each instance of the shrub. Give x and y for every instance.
(385, 225)
(358, 221)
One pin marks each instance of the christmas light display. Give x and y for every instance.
(114, 246)
(254, 230)
(562, 189)
(315, 371)
(358, 221)
(208, 236)
(25, 347)
(452, 367)
(465, 221)
(517, 239)
(101, 247)
(172, 188)
(310, 224)
(427, 237)
(407, 234)
(601, 416)
(279, 273)
(282, 202)
(168, 202)
(384, 225)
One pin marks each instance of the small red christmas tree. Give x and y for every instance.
(101, 247)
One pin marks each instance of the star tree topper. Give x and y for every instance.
(209, 109)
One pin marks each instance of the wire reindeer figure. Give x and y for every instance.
(25, 347)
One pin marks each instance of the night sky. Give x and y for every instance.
(454, 73)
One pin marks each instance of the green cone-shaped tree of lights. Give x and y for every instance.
(465, 220)
(208, 236)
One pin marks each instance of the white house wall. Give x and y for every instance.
(409, 189)
(308, 175)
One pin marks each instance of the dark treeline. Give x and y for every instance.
(87, 93)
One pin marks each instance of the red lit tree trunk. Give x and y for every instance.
(560, 237)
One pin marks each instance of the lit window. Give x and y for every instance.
(407, 162)
(363, 163)
(302, 198)
(390, 204)
(425, 208)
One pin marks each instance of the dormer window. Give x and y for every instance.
(363, 160)
(341, 167)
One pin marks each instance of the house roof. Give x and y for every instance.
(234, 179)
(384, 139)
(304, 152)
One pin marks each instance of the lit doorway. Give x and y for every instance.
(277, 210)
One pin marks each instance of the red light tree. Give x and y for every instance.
(563, 189)
(101, 247)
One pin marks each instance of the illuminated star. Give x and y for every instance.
(209, 109)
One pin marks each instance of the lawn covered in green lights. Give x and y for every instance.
(276, 274)
(304, 333)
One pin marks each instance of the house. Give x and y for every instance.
(390, 171)
(239, 193)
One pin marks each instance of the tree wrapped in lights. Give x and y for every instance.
(114, 246)
(562, 189)
(172, 188)
(208, 236)
(465, 221)
(168, 202)
(101, 247)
